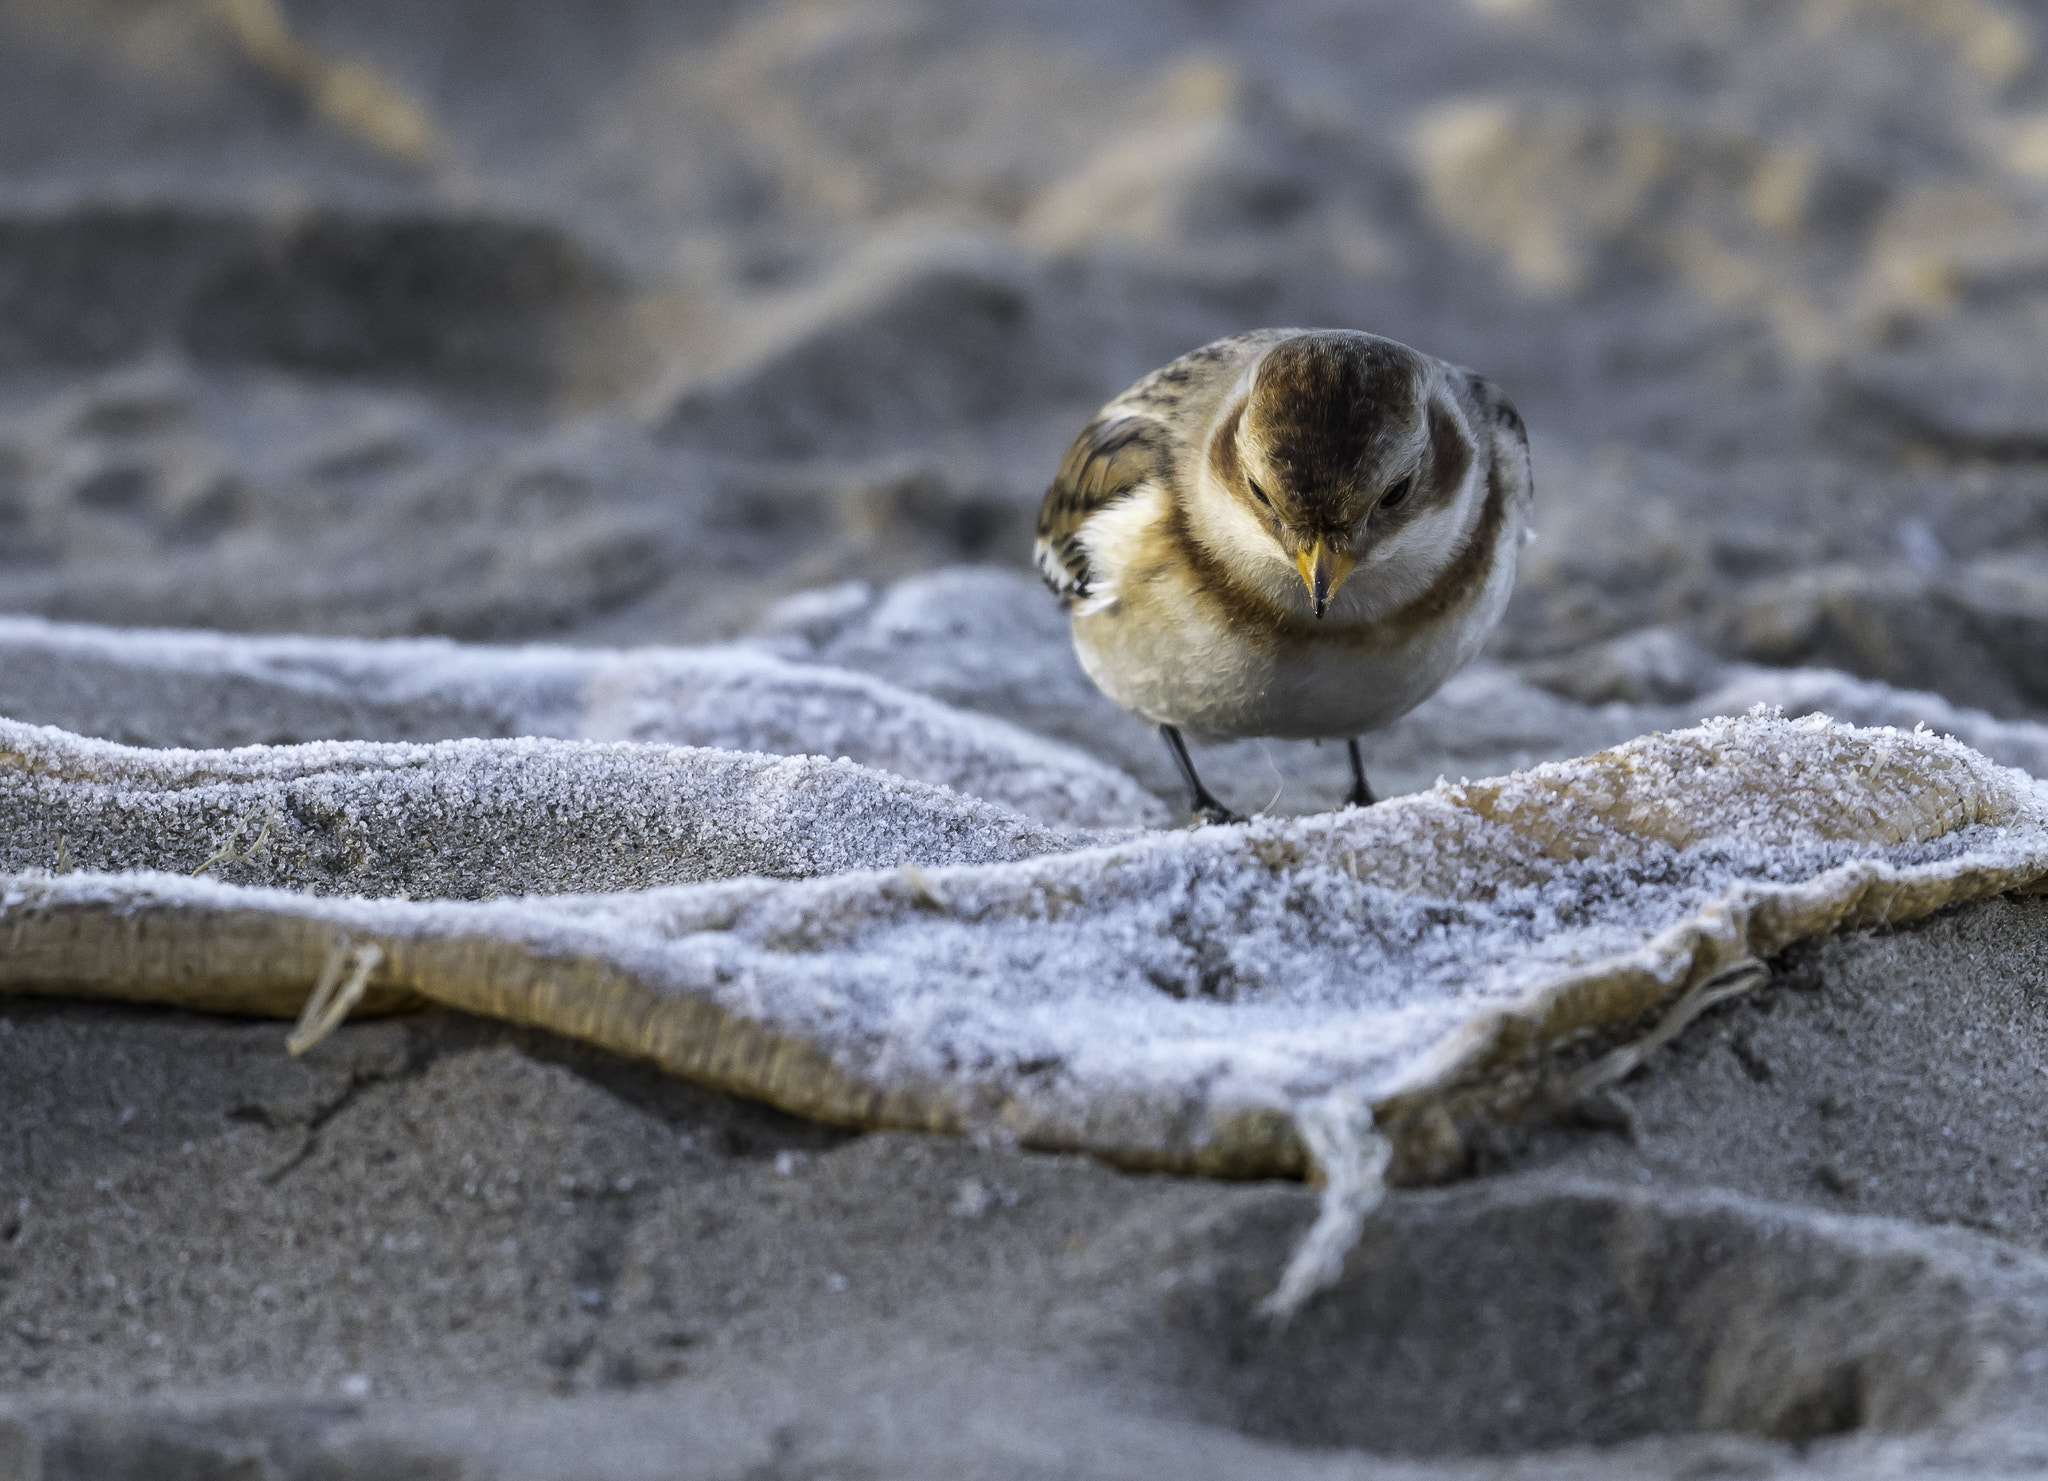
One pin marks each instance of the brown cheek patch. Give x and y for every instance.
(1223, 451)
(1459, 584)
(1450, 457)
(1246, 611)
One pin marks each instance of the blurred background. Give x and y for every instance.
(621, 322)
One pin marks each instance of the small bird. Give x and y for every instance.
(1297, 533)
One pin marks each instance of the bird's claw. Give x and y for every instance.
(1215, 812)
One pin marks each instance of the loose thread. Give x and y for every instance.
(1730, 982)
(1352, 1157)
(227, 853)
(344, 978)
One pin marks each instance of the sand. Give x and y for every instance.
(752, 333)
(444, 1245)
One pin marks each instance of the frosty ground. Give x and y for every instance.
(634, 327)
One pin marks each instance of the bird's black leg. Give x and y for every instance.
(1361, 791)
(1201, 801)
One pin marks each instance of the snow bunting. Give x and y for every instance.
(1293, 533)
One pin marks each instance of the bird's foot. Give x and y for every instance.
(1361, 789)
(1213, 811)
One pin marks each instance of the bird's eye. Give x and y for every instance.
(1259, 493)
(1397, 493)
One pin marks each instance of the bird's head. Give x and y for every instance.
(1340, 444)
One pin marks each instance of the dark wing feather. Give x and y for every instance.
(1497, 415)
(1115, 454)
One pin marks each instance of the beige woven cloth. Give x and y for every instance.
(1174, 1000)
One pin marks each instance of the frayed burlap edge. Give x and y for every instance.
(119, 937)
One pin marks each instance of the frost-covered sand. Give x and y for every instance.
(724, 351)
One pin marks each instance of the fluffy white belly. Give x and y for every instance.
(1168, 658)
(1219, 688)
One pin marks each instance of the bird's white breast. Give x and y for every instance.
(1169, 651)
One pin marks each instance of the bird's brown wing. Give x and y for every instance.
(1115, 454)
(1497, 419)
(1511, 437)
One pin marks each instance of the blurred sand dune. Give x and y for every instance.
(788, 294)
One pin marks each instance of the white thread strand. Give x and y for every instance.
(1352, 1158)
(334, 994)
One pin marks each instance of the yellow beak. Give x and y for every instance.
(1322, 571)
